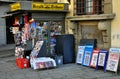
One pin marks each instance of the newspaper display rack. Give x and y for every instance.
(94, 58)
(102, 59)
(80, 54)
(87, 55)
(113, 59)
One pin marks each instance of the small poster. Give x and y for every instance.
(80, 54)
(36, 49)
(87, 55)
(87, 58)
(101, 59)
(94, 58)
(113, 59)
(38, 46)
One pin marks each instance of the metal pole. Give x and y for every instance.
(49, 53)
(33, 40)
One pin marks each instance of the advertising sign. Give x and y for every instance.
(94, 58)
(113, 59)
(43, 6)
(15, 6)
(86, 58)
(80, 54)
(87, 55)
(101, 59)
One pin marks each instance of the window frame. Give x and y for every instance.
(94, 7)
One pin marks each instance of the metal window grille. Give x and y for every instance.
(89, 7)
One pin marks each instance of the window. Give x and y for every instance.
(69, 1)
(89, 7)
(38, 0)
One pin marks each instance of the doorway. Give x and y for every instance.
(9, 35)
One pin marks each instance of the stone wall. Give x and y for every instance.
(3, 9)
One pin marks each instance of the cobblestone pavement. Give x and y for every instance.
(8, 70)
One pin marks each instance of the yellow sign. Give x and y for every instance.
(15, 6)
(42, 6)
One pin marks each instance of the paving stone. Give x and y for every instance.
(8, 70)
(111, 77)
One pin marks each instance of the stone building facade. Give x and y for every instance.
(103, 26)
(91, 21)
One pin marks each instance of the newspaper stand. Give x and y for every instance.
(87, 55)
(94, 58)
(80, 54)
(113, 59)
(102, 59)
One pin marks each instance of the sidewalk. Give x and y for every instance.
(8, 70)
(7, 50)
(7, 47)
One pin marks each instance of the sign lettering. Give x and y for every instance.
(15, 7)
(42, 6)
(113, 59)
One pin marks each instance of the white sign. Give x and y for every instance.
(101, 59)
(80, 54)
(113, 59)
(116, 50)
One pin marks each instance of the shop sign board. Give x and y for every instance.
(113, 59)
(44, 6)
(80, 54)
(15, 6)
